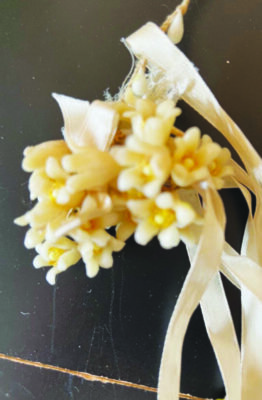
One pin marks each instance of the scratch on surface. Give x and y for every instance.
(102, 341)
(90, 347)
(69, 386)
(110, 322)
(53, 321)
(27, 391)
(87, 376)
(121, 297)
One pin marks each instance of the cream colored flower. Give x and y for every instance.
(96, 248)
(95, 211)
(35, 156)
(89, 170)
(125, 226)
(165, 216)
(195, 159)
(58, 255)
(61, 182)
(220, 166)
(146, 167)
(151, 122)
(63, 176)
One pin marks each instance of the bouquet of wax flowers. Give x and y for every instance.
(123, 164)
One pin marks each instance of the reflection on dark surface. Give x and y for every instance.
(115, 324)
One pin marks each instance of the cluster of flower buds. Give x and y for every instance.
(137, 184)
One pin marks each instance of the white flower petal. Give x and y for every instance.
(116, 244)
(151, 189)
(106, 259)
(33, 237)
(140, 208)
(169, 237)
(92, 268)
(100, 237)
(51, 276)
(155, 131)
(42, 249)
(138, 126)
(185, 214)
(165, 200)
(54, 170)
(192, 138)
(64, 229)
(62, 196)
(21, 221)
(145, 232)
(125, 229)
(129, 179)
(67, 259)
(39, 262)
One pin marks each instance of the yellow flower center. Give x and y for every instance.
(96, 249)
(189, 163)
(134, 194)
(53, 191)
(214, 168)
(89, 225)
(147, 170)
(162, 218)
(53, 254)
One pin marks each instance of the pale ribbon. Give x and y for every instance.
(203, 268)
(152, 44)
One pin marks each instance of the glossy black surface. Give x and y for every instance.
(115, 324)
(19, 382)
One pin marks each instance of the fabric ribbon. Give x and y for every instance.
(203, 281)
(203, 268)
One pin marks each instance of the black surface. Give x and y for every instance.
(19, 382)
(115, 324)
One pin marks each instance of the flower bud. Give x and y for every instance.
(176, 30)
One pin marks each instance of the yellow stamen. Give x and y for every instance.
(162, 218)
(96, 249)
(53, 254)
(189, 163)
(147, 170)
(53, 191)
(89, 225)
(134, 194)
(214, 168)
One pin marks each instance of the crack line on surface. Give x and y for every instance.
(87, 376)
(53, 321)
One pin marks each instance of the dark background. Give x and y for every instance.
(113, 325)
